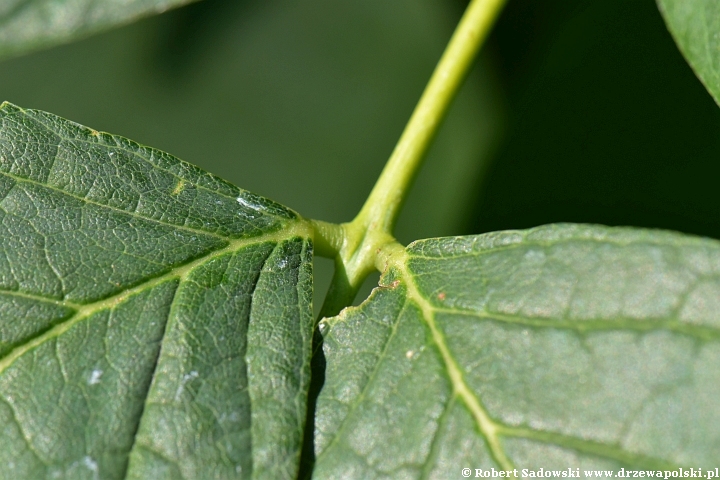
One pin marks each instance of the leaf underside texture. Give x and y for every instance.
(561, 346)
(30, 24)
(155, 321)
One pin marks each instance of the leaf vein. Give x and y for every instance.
(363, 393)
(150, 383)
(40, 298)
(115, 209)
(599, 449)
(435, 444)
(700, 332)
(181, 272)
(487, 426)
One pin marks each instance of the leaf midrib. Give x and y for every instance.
(181, 272)
(490, 429)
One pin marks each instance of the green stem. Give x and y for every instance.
(358, 243)
(385, 200)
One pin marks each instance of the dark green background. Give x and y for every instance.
(608, 124)
(578, 111)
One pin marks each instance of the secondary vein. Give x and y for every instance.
(611, 452)
(700, 332)
(40, 298)
(110, 207)
(363, 393)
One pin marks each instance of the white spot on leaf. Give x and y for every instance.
(92, 466)
(95, 377)
(247, 204)
(186, 378)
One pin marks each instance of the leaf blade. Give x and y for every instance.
(588, 391)
(695, 26)
(29, 25)
(39, 433)
(213, 249)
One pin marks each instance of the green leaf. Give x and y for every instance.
(31, 24)
(155, 320)
(695, 25)
(561, 346)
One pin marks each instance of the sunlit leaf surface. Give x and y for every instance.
(561, 346)
(155, 320)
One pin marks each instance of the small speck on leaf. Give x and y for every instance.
(179, 187)
(95, 377)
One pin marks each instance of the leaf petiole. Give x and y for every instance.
(355, 245)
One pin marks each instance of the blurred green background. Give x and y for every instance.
(606, 122)
(577, 111)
